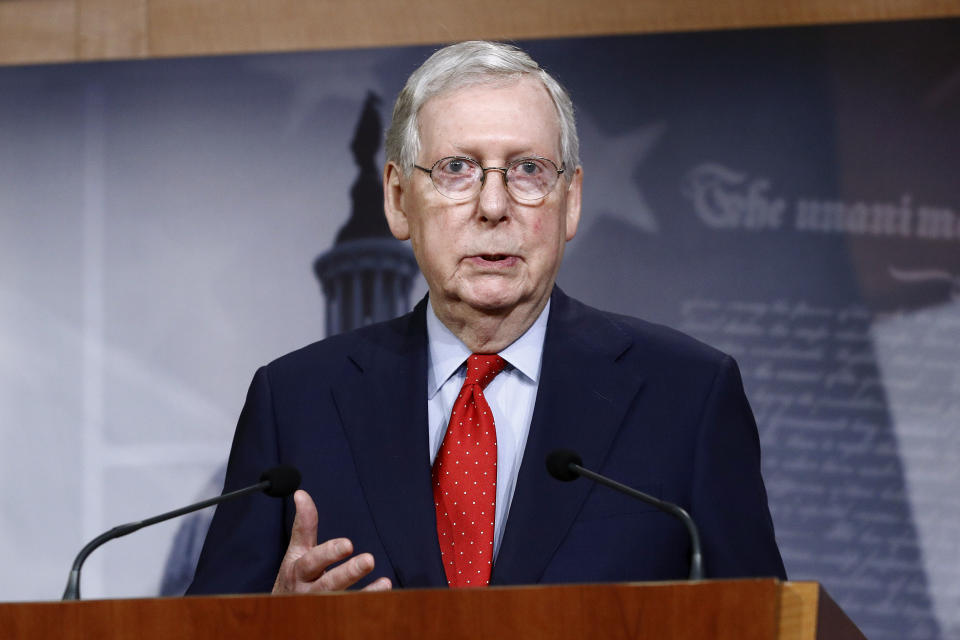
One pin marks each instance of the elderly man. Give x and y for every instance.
(422, 440)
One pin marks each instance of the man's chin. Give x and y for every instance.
(494, 301)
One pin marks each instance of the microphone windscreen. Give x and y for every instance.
(559, 461)
(284, 480)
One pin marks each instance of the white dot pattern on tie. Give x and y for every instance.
(468, 514)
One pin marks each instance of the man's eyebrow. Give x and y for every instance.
(530, 154)
(462, 152)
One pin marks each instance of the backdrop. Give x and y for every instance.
(788, 195)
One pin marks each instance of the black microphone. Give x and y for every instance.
(277, 482)
(565, 465)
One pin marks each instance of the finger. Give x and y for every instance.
(346, 574)
(314, 563)
(303, 535)
(380, 584)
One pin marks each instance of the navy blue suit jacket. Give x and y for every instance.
(641, 403)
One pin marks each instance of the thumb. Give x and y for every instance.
(303, 535)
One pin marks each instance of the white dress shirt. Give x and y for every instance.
(511, 396)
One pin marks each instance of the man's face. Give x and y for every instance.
(491, 252)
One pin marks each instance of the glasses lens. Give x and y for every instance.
(456, 177)
(531, 178)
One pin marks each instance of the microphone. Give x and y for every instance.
(276, 482)
(565, 465)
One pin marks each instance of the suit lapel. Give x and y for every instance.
(581, 402)
(384, 411)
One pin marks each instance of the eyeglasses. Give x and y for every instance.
(460, 178)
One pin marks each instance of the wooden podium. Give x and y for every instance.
(709, 610)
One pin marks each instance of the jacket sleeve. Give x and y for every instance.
(246, 541)
(729, 501)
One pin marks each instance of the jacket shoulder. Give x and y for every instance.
(326, 356)
(642, 339)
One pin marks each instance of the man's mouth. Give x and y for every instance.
(494, 260)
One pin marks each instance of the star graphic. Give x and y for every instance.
(322, 78)
(610, 162)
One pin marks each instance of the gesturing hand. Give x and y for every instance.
(306, 565)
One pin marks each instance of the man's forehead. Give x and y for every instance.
(488, 96)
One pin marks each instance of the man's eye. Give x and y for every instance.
(456, 166)
(529, 168)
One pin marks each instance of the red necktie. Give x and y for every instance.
(465, 480)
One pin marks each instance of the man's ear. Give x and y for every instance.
(393, 201)
(574, 197)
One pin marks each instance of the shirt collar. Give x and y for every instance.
(448, 353)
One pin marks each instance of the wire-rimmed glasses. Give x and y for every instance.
(460, 177)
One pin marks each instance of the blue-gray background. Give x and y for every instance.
(788, 195)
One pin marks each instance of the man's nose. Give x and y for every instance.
(494, 199)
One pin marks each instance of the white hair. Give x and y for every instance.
(470, 63)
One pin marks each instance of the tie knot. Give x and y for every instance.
(481, 369)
